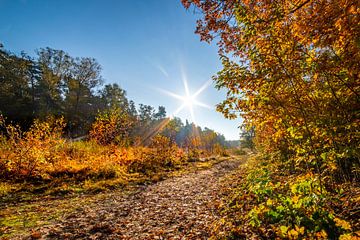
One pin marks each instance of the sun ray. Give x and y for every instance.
(171, 94)
(187, 92)
(192, 113)
(184, 79)
(162, 70)
(179, 109)
(202, 88)
(158, 128)
(202, 104)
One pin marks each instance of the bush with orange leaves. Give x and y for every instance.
(41, 153)
(27, 154)
(112, 127)
(161, 153)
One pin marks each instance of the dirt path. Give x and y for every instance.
(176, 208)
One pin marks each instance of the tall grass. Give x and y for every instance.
(42, 155)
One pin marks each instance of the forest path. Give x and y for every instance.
(177, 208)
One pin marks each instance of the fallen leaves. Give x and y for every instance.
(182, 207)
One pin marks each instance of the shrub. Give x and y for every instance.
(270, 204)
(25, 154)
(111, 127)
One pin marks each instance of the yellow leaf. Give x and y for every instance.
(300, 230)
(293, 234)
(347, 237)
(295, 199)
(342, 223)
(322, 234)
(284, 229)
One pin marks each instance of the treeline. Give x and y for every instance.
(56, 84)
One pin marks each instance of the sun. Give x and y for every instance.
(188, 100)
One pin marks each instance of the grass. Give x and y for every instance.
(26, 206)
(39, 170)
(19, 218)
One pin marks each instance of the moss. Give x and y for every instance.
(18, 223)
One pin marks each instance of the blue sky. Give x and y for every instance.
(143, 45)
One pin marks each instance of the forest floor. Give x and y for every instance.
(179, 207)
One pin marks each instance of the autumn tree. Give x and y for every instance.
(209, 139)
(291, 70)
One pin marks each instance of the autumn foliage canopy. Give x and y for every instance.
(291, 70)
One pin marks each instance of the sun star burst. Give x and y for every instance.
(188, 100)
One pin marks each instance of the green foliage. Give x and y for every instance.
(291, 207)
(55, 83)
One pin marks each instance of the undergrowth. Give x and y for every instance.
(265, 202)
(41, 161)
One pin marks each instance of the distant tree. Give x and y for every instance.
(146, 113)
(114, 96)
(209, 138)
(84, 79)
(132, 109)
(161, 113)
(16, 92)
(221, 140)
(34, 77)
(55, 67)
(172, 129)
(247, 138)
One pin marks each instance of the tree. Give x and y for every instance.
(132, 109)
(146, 113)
(85, 77)
(16, 91)
(161, 113)
(209, 138)
(55, 67)
(66, 87)
(113, 96)
(172, 129)
(292, 71)
(247, 138)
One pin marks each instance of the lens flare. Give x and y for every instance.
(188, 100)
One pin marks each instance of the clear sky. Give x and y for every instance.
(143, 45)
